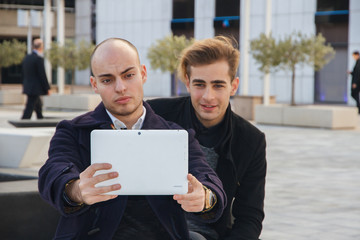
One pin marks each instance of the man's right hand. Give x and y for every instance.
(83, 190)
(354, 85)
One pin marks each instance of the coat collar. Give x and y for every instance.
(100, 119)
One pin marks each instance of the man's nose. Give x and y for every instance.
(120, 85)
(208, 94)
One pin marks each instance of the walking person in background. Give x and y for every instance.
(35, 82)
(355, 81)
(234, 148)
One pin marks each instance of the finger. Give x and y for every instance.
(191, 206)
(186, 197)
(194, 182)
(106, 189)
(99, 198)
(105, 176)
(90, 171)
(190, 188)
(98, 194)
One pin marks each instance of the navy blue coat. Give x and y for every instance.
(69, 155)
(35, 81)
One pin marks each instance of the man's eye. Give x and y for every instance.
(199, 85)
(105, 80)
(129, 75)
(218, 86)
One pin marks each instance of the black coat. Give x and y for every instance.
(241, 168)
(35, 81)
(356, 75)
(69, 155)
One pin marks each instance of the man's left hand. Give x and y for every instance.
(194, 200)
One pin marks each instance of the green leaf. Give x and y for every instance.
(164, 53)
(11, 53)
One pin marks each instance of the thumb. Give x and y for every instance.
(194, 182)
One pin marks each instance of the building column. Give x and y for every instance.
(204, 19)
(354, 40)
(83, 32)
(266, 97)
(60, 4)
(244, 45)
(47, 36)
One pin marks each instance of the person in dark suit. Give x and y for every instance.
(355, 81)
(35, 82)
(234, 148)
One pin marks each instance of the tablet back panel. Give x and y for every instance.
(149, 162)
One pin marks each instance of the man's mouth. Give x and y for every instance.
(207, 107)
(122, 100)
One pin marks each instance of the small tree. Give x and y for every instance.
(11, 53)
(165, 53)
(292, 50)
(263, 50)
(70, 56)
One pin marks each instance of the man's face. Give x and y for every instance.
(210, 88)
(119, 78)
(355, 57)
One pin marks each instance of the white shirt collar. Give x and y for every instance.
(37, 52)
(120, 125)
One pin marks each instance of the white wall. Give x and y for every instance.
(83, 32)
(354, 40)
(287, 16)
(204, 19)
(141, 22)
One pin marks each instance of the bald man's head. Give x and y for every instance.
(108, 42)
(38, 44)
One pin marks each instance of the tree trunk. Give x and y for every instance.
(293, 87)
(175, 84)
(72, 81)
(0, 77)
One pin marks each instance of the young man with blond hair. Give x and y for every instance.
(234, 148)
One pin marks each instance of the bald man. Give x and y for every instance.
(35, 82)
(67, 179)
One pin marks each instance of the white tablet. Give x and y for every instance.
(149, 162)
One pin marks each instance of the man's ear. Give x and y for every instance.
(187, 84)
(143, 73)
(234, 86)
(93, 84)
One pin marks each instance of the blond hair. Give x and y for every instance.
(208, 51)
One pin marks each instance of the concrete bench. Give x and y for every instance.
(72, 102)
(11, 96)
(24, 147)
(24, 123)
(244, 106)
(322, 116)
(24, 214)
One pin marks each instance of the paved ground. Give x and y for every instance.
(313, 183)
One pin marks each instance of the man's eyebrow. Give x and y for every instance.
(110, 75)
(198, 80)
(218, 82)
(126, 70)
(212, 82)
(104, 75)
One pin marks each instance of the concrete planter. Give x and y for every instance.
(244, 106)
(332, 117)
(12, 96)
(83, 102)
(24, 148)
